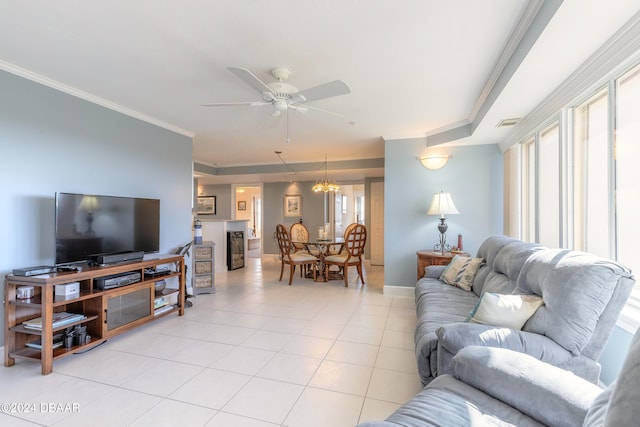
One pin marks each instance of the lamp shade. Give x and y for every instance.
(442, 204)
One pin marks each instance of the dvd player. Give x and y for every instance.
(116, 280)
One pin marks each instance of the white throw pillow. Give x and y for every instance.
(509, 311)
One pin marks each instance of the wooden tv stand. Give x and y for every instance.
(107, 312)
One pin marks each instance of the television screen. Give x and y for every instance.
(87, 225)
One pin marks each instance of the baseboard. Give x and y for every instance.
(271, 257)
(399, 291)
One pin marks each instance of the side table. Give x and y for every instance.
(426, 258)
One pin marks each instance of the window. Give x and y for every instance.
(512, 208)
(581, 189)
(628, 182)
(591, 176)
(549, 185)
(529, 190)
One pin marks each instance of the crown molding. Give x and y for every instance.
(69, 90)
(511, 48)
(287, 168)
(613, 58)
(530, 26)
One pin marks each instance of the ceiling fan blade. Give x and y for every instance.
(326, 90)
(299, 108)
(324, 111)
(237, 104)
(249, 78)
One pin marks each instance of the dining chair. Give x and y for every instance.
(338, 248)
(299, 236)
(354, 240)
(291, 257)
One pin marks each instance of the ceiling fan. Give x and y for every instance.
(282, 95)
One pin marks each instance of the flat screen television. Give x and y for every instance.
(88, 224)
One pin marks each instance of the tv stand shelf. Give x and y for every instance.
(108, 312)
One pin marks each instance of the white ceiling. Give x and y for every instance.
(414, 67)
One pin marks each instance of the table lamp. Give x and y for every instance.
(442, 205)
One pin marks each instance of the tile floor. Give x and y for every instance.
(257, 353)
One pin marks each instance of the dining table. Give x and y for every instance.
(321, 248)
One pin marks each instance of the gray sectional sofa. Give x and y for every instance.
(583, 296)
(500, 387)
(542, 374)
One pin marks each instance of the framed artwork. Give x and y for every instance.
(292, 205)
(206, 205)
(242, 205)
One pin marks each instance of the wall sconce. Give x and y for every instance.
(434, 161)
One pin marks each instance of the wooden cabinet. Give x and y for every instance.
(104, 313)
(203, 268)
(426, 258)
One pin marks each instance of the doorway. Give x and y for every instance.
(248, 206)
(349, 207)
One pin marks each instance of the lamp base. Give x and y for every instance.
(442, 246)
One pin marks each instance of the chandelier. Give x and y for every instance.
(325, 185)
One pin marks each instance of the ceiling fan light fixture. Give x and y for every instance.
(280, 105)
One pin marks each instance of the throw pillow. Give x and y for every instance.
(461, 271)
(509, 311)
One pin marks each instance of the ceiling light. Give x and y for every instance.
(325, 185)
(434, 161)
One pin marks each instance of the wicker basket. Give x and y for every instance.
(203, 281)
(203, 252)
(203, 267)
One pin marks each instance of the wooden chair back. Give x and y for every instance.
(298, 233)
(284, 240)
(355, 239)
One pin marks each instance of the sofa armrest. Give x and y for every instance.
(434, 271)
(453, 337)
(542, 391)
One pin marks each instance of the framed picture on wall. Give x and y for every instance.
(206, 205)
(242, 205)
(292, 205)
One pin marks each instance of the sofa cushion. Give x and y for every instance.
(436, 304)
(560, 398)
(506, 267)
(461, 271)
(447, 402)
(619, 405)
(560, 277)
(509, 311)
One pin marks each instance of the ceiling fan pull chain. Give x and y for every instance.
(288, 140)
